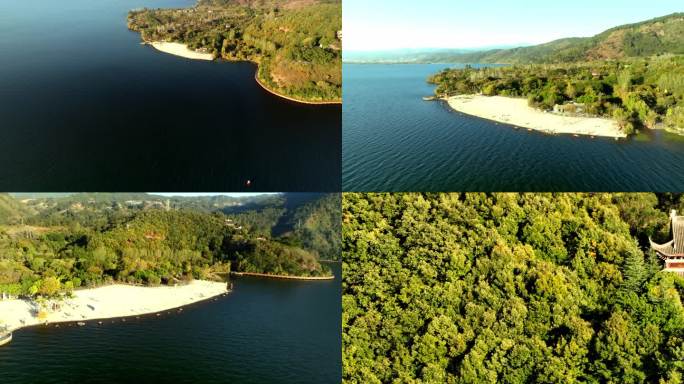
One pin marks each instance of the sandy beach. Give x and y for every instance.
(181, 50)
(518, 113)
(111, 301)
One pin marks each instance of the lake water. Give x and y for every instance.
(84, 106)
(395, 141)
(265, 331)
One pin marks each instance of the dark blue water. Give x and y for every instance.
(265, 331)
(395, 141)
(84, 106)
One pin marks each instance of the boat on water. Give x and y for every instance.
(5, 338)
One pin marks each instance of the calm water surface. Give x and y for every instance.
(265, 331)
(84, 106)
(395, 141)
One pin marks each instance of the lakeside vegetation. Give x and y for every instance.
(632, 73)
(515, 288)
(50, 246)
(636, 93)
(296, 44)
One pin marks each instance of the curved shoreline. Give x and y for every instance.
(517, 113)
(271, 276)
(256, 77)
(111, 302)
(174, 48)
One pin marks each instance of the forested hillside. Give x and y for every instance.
(296, 43)
(511, 288)
(307, 220)
(317, 226)
(57, 244)
(659, 36)
(637, 93)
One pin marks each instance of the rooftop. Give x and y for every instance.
(675, 247)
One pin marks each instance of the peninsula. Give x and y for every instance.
(295, 44)
(517, 112)
(624, 74)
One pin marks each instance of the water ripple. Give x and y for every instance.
(394, 141)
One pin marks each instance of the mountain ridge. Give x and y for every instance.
(657, 36)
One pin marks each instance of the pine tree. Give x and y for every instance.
(634, 272)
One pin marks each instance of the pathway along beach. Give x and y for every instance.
(517, 112)
(109, 302)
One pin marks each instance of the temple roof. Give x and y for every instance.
(676, 246)
(678, 231)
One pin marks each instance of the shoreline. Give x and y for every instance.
(181, 50)
(109, 302)
(516, 112)
(285, 277)
(256, 77)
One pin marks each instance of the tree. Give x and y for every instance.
(506, 288)
(634, 272)
(49, 286)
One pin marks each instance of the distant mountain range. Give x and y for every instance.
(411, 55)
(659, 36)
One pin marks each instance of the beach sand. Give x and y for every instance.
(182, 50)
(518, 113)
(111, 301)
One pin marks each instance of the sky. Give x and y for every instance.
(371, 25)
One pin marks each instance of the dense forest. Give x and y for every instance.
(511, 288)
(637, 93)
(296, 43)
(53, 244)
